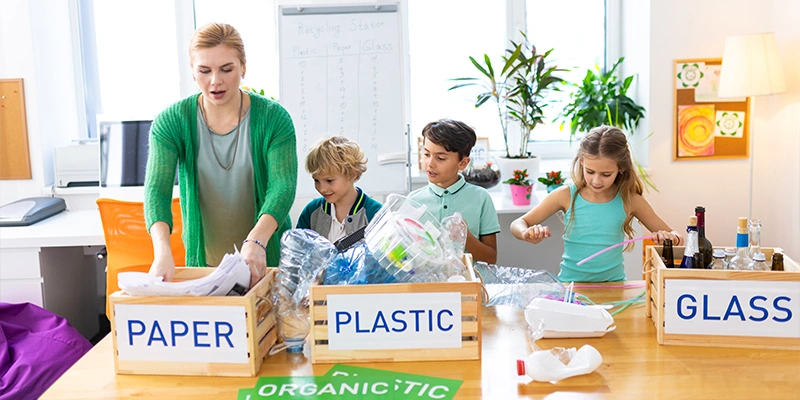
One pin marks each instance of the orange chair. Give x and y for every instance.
(128, 245)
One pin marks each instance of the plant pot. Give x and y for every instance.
(508, 165)
(550, 188)
(521, 195)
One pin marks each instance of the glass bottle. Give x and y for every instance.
(719, 259)
(702, 242)
(777, 262)
(667, 255)
(691, 243)
(754, 245)
(729, 253)
(741, 261)
(698, 261)
(760, 262)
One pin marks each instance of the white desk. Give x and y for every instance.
(51, 264)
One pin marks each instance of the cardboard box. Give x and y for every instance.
(208, 336)
(724, 308)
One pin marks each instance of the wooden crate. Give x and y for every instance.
(252, 331)
(470, 346)
(655, 308)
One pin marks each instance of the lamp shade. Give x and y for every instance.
(751, 66)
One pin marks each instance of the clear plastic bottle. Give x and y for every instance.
(754, 245)
(741, 261)
(760, 262)
(719, 259)
(729, 253)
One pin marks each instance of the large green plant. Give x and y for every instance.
(601, 97)
(519, 90)
(534, 77)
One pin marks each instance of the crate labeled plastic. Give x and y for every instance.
(724, 308)
(396, 322)
(206, 336)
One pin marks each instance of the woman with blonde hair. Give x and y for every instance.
(235, 153)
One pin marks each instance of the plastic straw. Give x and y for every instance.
(611, 247)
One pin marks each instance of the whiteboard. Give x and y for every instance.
(341, 73)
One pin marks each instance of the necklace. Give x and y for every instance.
(236, 140)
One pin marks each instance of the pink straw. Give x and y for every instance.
(611, 247)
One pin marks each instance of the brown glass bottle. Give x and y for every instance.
(777, 262)
(666, 254)
(698, 261)
(704, 245)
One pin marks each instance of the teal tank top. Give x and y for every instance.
(595, 227)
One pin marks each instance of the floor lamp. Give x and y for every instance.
(751, 67)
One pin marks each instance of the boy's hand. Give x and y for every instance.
(659, 237)
(536, 234)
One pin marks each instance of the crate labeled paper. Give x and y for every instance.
(211, 336)
(724, 308)
(396, 322)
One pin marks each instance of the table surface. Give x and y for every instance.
(66, 229)
(634, 366)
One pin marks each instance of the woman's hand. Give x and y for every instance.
(256, 258)
(659, 237)
(163, 266)
(536, 234)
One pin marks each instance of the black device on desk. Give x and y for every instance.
(31, 210)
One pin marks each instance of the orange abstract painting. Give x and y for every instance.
(696, 131)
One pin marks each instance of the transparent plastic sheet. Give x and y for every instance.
(411, 245)
(516, 287)
(304, 254)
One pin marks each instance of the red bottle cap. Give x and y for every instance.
(520, 367)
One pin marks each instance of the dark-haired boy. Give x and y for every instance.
(447, 144)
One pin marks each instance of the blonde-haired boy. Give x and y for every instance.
(336, 163)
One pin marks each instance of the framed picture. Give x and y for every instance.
(707, 127)
(480, 152)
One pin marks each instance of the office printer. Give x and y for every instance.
(77, 165)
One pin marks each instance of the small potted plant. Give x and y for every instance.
(521, 187)
(552, 180)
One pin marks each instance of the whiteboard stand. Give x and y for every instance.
(342, 72)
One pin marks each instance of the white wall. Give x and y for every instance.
(685, 29)
(49, 79)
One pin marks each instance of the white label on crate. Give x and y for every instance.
(394, 321)
(181, 333)
(732, 308)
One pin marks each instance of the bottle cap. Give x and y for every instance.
(742, 225)
(699, 209)
(693, 220)
(759, 257)
(719, 253)
(729, 251)
(667, 242)
(520, 367)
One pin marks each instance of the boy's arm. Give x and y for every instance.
(643, 211)
(484, 249)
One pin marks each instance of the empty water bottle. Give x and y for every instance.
(304, 254)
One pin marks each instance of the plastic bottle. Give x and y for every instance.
(759, 262)
(559, 363)
(719, 259)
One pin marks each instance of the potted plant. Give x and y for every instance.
(519, 91)
(600, 98)
(521, 187)
(552, 180)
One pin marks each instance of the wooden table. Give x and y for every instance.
(634, 366)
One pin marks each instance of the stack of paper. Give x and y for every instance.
(230, 278)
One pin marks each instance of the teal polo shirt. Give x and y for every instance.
(473, 202)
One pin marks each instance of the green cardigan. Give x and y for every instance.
(173, 142)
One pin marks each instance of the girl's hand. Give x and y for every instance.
(536, 234)
(163, 266)
(659, 237)
(256, 258)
